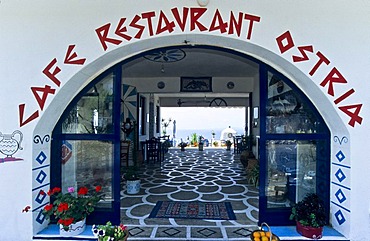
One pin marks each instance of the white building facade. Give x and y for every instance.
(51, 50)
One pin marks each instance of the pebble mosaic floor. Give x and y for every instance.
(209, 175)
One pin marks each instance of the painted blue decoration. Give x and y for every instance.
(340, 156)
(41, 158)
(340, 196)
(40, 197)
(41, 177)
(340, 175)
(340, 217)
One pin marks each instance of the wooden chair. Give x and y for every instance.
(237, 144)
(152, 150)
(125, 149)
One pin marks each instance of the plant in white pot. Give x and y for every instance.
(133, 183)
(310, 216)
(71, 208)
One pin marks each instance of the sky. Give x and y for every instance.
(204, 118)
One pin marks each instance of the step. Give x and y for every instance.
(241, 234)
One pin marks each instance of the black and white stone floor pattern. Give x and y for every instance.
(209, 175)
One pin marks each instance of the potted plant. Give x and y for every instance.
(228, 145)
(310, 216)
(133, 182)
(71, 208)
(109, 232)
(183, 145)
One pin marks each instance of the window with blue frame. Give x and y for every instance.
(294, 150)
(85, 145)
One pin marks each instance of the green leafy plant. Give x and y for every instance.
(310, 211)
(131, 173)
(71, 207)
(109, 232)
(194, 139)
(254, 175)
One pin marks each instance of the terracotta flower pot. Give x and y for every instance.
(309, 232)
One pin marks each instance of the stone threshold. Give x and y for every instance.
(191, 233)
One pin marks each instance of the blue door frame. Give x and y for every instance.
(272, 216)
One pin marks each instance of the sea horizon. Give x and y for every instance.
(206, 133)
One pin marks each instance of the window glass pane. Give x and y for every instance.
(93, 112)
(291, 168)
(88, 163)
(287, 112)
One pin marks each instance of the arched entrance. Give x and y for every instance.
(66, 94)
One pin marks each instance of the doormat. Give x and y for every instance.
(193, 210)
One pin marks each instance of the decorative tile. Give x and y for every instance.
(340, 217)
(40, 197)
(206, 232)
(40, 178)
(340, 156)
(41, 158)
(340, 175)
(40, 217)
(171, 232)
(340, 196)
(243, 232)
(136, 231)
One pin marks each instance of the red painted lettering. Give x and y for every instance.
(285, 42)
(354, 115)
(45, 91)
(233, 23)
(121, 29)
(70, 57)
(333, 77)
(148, 16)
(252, 19)
(139, 27)
(168, 26)
(344, 96)
(304, 56)
(322, 59)
(52, 76)
(195, 14)
(181, 22)
(102, 33)
(218, 23)
(21, 108)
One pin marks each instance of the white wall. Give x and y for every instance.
(33, 34)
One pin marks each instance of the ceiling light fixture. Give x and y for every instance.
(162, 69)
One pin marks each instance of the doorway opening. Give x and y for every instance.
(148, 89)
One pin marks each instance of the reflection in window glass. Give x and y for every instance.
(286, 111)
(291, 167)
(89, 164)
(93, 112)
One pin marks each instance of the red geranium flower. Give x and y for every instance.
(56, 190)
(83, 191)
(62, 207)
(98, 188)
(48, 207)
(68, 221)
